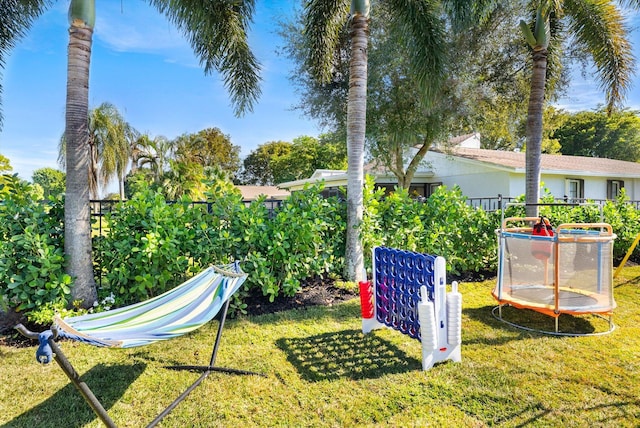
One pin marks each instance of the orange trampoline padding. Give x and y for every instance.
(541, 298)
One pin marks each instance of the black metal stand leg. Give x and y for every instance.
(205, 369)
(97, 407)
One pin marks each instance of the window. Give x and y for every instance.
(431, 188)
(613, 188)
(574, 189)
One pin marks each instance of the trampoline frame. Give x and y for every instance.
(568, 232)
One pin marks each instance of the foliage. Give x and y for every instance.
(51, 180)
(308, 154)
(444, 225)
(5, 165)
(32, 259)
(257, 166)
(152, 245)
(279, 161)
(153, 154)
(144, 253)
(138, 181)
(149, 245)
(209, 147)
(111, 142)
(598, 134)
(624, 218)
(44, 314)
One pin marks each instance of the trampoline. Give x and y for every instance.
(569, 272)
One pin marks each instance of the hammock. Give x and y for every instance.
(172, 314)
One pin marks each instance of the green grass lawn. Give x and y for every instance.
(322, 372)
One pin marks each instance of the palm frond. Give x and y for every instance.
(464, 13)
(600, 28)
(218, 31)
(323, 22)
(16, 17)
(420, 22)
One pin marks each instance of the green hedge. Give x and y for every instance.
(32, 258)
(148, 245)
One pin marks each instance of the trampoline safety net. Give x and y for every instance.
(570, 272)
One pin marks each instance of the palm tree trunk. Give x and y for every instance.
(121, 188)
(534, 131)
(356, 126)
(77, 234)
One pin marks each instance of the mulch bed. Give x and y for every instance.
(314, 292)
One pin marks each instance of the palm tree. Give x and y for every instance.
(152, 153)
(217, 31)
(112, 139)
(110, 148)
(596, 27)
(423, 29)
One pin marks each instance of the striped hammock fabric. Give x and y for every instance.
(174, 313)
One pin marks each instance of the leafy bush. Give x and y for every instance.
(32, 258)
(443, 225)
(624, 218)
(149, 245)
(143, 253)
(304, 239)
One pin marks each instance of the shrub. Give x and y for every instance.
(32, 262)
(143, 254)
(443, 225)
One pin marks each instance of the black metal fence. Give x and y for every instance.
(489, 204)
(99, 207)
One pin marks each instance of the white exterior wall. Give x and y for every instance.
(594, 187)
(486, 180)
(475, 180)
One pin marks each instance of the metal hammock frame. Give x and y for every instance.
(200, 299)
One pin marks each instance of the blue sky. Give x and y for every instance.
(143, 65)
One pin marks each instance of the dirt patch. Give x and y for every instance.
(314, 292)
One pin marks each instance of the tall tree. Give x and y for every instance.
(77, 215)
(258, 166)
(423, 39)
(217, 32)
(596, 27)
(112, 139)
(209, 147)
(5, 165)
(152, 153)
(51, 180)
(111, 145)
(601, 135)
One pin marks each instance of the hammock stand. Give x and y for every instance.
(219, 294)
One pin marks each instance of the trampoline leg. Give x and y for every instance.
(611, 326)
(557, 323)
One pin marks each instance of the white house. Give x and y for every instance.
(482, 173)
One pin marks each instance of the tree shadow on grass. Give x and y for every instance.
(534, 323)
(67, 408)
(345, 354)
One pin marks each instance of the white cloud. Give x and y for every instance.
(139, 28)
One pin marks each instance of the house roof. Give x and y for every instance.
(552, 164)
(251, 193)
(498, 159)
